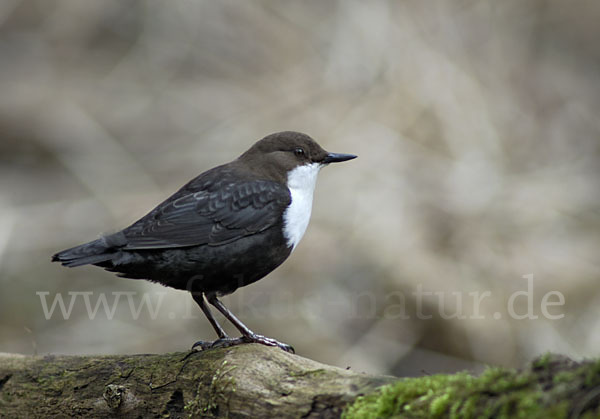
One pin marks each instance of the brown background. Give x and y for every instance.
(477, 129)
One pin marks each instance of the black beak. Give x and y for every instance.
(337, 157)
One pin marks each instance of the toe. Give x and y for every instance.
(201, 345)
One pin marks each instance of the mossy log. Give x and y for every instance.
(253, 381)
(551, 387)
(247, 381)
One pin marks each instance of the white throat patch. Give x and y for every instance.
(301, 183)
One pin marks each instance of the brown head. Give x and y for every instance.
(281, 152)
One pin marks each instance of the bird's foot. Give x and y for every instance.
(226, 342)
(263, 340)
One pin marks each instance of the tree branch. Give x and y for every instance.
(255, 381)
(242, 381)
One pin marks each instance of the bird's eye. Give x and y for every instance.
(299, 151)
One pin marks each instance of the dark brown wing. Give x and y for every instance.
(218, 213)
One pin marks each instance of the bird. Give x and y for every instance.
(227, 228)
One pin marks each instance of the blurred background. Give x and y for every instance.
(478, 134)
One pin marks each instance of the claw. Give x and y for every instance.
(227, 342)
(219, 343)
(203, 344)
(263, 340)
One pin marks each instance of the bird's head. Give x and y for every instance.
(283, 152)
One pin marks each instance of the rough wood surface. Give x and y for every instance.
(238, 382)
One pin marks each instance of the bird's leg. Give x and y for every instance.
(224, 339)
(247, 334)
(199, 298)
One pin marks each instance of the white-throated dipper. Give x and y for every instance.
(227, 228)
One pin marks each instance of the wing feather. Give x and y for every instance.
(221, 213)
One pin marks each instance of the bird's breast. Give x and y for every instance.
(301, 183)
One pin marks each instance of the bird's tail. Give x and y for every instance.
(97, 251)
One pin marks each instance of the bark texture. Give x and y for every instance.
(238, 382)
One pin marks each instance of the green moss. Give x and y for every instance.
(440, 404)
(194, 406)
(564, 377)
(221, 386)
(545, 390)
(592, 374)
(543, 361)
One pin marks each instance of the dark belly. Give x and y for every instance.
(221, 269)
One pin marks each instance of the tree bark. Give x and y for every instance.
(238, 382)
